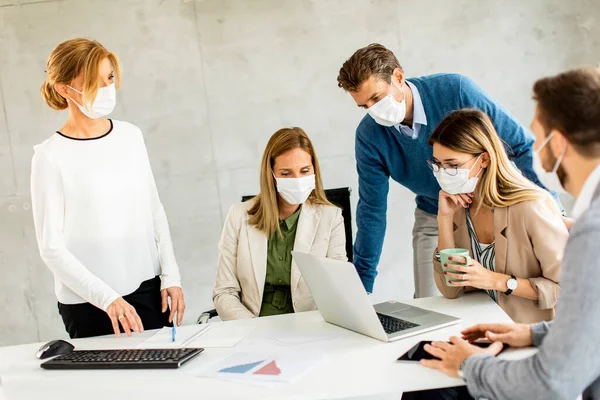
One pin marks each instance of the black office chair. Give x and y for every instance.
(341, 198)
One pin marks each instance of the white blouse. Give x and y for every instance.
(100, 225)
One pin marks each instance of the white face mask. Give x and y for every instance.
(388, 111)
(104, 103)
(459, 183)
(548, 178)
(295, 190)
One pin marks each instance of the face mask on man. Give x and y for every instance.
(295, 190)
(388, 111)
(103, 104)
(459, 183)
(550, 179)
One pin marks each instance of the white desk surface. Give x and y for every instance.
(355, 365)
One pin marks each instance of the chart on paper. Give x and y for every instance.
(262, 367)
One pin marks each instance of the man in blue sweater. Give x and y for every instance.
(391, 141)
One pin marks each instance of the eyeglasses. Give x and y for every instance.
(451, 170)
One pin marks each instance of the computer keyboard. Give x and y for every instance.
(123, 359)
(393, 325)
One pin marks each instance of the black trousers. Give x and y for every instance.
(85, 320)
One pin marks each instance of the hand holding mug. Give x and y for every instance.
(450, 265)
(468, 272)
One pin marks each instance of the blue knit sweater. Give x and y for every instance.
(383, 152)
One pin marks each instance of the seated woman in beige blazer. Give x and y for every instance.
(512, 228)
(256, 275)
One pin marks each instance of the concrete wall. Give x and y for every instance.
(209, 81)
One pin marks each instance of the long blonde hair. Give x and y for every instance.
(501, 184)
(264, 213)
(67, 61)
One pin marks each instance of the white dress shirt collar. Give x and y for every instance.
(587, 193)
(419, 117)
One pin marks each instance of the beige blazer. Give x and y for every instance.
(529, 240)
(242, 268)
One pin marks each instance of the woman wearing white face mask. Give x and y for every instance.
(256, 275)
(100, 225)
(512, 229)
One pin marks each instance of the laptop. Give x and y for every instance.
(343, 301)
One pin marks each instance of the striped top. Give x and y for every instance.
(483, 253)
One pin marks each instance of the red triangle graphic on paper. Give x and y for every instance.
(269, 369)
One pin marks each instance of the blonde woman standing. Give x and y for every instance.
(256, 275)
(100, 225)
(513, 230)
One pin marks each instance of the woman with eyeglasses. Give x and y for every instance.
(512, 229)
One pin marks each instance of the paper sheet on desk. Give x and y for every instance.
(221, 335)
(185, 337)
(298, 339)
(205, 336)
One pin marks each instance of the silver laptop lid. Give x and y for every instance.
(340, 294)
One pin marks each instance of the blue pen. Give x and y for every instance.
(173, 333)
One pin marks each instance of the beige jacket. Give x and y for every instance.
(529, 240)
(242, 268)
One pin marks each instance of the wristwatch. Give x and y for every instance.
(512, 285)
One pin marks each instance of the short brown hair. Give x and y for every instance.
(374, 59)
(67, 61)
(570, 103)
(264, 214)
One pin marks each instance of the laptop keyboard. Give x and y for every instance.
(393, 325)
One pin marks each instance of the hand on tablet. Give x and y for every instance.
(451, 355)
(514, 335)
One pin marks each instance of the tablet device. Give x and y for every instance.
(450, 393)
(418, 353)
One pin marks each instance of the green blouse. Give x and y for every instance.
(277, 297)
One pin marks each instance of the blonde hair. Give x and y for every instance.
(264, 213)
(501, 184)
(70, 59)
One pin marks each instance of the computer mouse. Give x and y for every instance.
(54, 348)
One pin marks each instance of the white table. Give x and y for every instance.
(355, 366)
